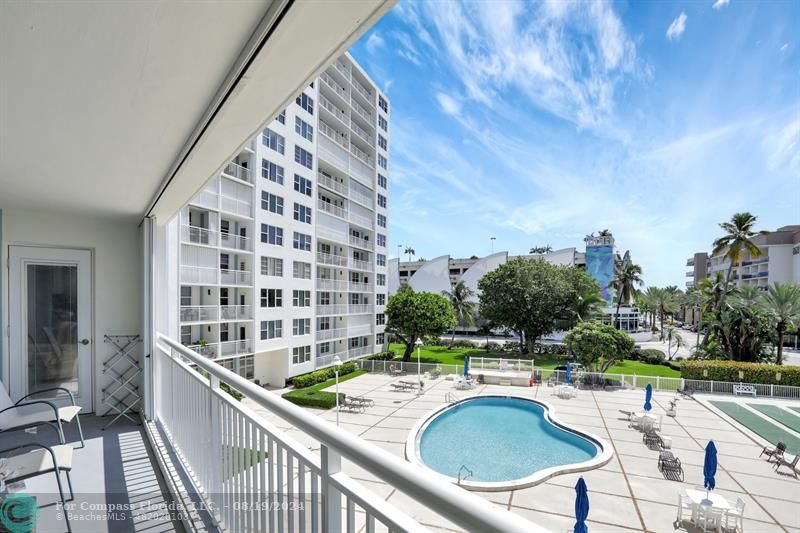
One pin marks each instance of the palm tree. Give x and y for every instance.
(604, 233)
(782, 303)
(589, 304)
(546, 249)
(737, 239)
(673, 336)
(711, 290)
(409, 251)
(747, 296)
(626, 278)
(463, 305)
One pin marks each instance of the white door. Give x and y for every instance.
(50, 322)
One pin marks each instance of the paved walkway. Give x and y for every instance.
(627, 494)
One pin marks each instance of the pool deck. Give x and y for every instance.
(627, 494)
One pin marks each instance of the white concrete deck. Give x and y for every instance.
(627, 494)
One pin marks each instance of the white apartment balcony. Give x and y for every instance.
(237, 347)
(361, 110)
(360, 287)
(332, 284)
(331, 209)
(361, 155)
(357, 264)
(235, 312)
(690, 262)
(199, 313)
(690, 274)
(367, 200)
(357, 331)
(235, 277)
(358, 352)
(331, 259)
(199, 275)
(239, 172)
(343, 69)
(236, 242)
(208, 350)
(361, 132)
(363, 91)
(329, 334)
(338, 89)
(759, 261)
(236, 206)
(335, 135)
(359, 309)
(331, 184)
(361, 220)
(206, 198)
(197, 235)
(338, 113)
(361, 243)
(331, 309)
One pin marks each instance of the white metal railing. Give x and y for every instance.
(231, 240)
(344, 69)
(327, 359)
(207, 350)
(330, 235)
(338, 89)
(361, 155)
(335, 135)
(328, 334)
(332, 284)
(331, 259)
(363, 91)
(198, 313)
(363, 173)
(361, 110)
(236, 206)
(354, 331)
(235, 456)
(359, 219)
(238, 171)
(364, 199)
(358, 352)
(198, 235)
(196, 274)
(235, 312)
(361, 132)
(359, 265)
(334, 109)
(235, 277)
(361, 243)
(332, 184)
(359, 308)
(335, 210)
(331, 309)
(236, 347)
(360, 287)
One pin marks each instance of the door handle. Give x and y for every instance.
(85, 342)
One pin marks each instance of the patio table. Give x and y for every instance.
(698, 497)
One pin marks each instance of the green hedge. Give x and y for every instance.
(313, 398)
(318, 376)
(729, 371)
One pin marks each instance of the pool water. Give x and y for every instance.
(499, 439)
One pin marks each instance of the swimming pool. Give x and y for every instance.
(504, 441)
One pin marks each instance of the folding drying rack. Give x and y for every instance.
(122, 394)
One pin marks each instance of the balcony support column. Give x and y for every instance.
(331, 462)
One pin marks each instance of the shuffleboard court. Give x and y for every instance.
(758, 425)
(790, 420)
(795, 409)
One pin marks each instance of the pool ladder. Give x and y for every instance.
(450, 398)
(467, 471)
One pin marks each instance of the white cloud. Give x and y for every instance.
(448, 104)
(783, 147)
(677, 27)
(374, 42)
(407, 49)
(784, 47)
(719, 4)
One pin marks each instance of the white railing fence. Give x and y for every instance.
(255, 478)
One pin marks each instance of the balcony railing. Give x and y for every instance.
(755, 261)
(213, 435)
(364, 199)
(332, 284)
(359, 264)
(361, 132)
(334, 109)
(335, 210)
(207, 350)
(359, 219)
(235, 277)
(231, 240)
(361, 243)
(237, 347)
(328, 334)
(335, 135)
(338, 89)
(238, 171)
(363, 91)
(235, 312)
(359, 308)
(344, 69)
(356, 331)
(199, 275)
(206, 198)
(199, 313)
(198, 235)
(331, 309)
(358, 352)
(360, 287)
(331, 184)
(330, 259)
(236, 206)
(361, 155)
(361, 110)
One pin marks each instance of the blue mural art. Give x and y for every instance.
(600, 265)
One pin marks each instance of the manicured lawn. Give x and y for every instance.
(455, 356)
(314, 396)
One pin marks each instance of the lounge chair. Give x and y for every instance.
(652, 439)
(364, 401)
(670, 466)
(774, 453)
(352, 406)
(28, 412)
(782, 461)
(38, 461)
(394, 371)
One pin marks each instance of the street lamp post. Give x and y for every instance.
(336, 364)
(492, 239)
(419, 344)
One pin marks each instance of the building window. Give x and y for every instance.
(186, 296)
(301, 354)
(271, 329)
(301, 270)
(380, 319)
(304, 129)
(303, 157)
(301, 298)
(272, 203)
(301, 326)
(382, 141)
(383, 104)
(302, 213)
(381, 200)
(282, 117)
(302, 241)
(274, 140)
(382, 161)
(324, 323)
(323, 298)
(382, 181)
(324, 347)
(247, 367)
(271, 266)
(382, 123)
(302, 185)
(380, 279)
(271, 235)
(272, 172)
(306, 102)
(381, 260)
(382, 220)
(379, 339)
(186, 335)
(380, 299)
(271, 297)
(381, 240)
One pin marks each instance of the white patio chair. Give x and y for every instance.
(684, 507)
(29, 413)
(736, 516)
(38, 461)
(710, 518)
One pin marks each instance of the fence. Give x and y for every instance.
(633, 381)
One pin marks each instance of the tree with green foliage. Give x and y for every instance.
(414, 315)
(737, 239)
(627, 277)
(527, 297)
(461, 298)
(409, 251)
(673, 337)
(598, 346)
(782, 305)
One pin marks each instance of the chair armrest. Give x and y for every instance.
(44, 402)
(29, 445)
(69, 393)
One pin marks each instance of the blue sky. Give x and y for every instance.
(537, 123)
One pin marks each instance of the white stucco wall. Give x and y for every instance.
(780, 264)
(117, 273)
(433, 276)
(480, 269)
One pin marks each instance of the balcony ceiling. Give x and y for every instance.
(107, 106)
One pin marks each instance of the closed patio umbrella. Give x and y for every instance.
(568, 371)
(581, 507)
(466, 365)
(648, 395)
(710, 468)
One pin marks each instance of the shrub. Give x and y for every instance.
(230, 390)
(318, 376)
(493, 346)
(383, 356)
(729, 371)
(460, 343)
(652, 356)
(433, 340)
(311, 398)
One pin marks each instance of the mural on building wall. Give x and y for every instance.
(600, 265)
